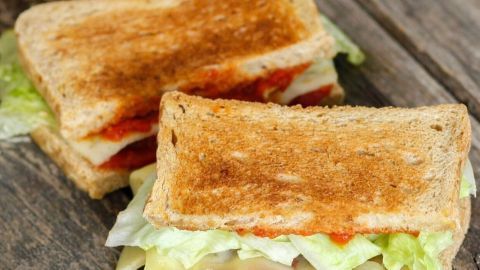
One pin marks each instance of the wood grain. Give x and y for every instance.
(48, 224)
(46, 221)
(443, 36)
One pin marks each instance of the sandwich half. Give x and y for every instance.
(102, 67)
(262, 186)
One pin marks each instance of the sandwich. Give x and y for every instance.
(95, 72)
(241, 185)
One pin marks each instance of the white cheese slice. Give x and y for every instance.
(97, 149)
(321, 73)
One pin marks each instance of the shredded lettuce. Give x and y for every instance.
(22, 109)
(322, 253)
(343, 44)
(467, 186)
(131, 258)
(400, 249)
(279, 249)
(138, 177)
(155, 261)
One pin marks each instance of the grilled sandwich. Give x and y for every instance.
(103, 66)
(242, 185)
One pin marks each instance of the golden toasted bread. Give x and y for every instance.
(97, 182)
(275, 170)
(94, 72)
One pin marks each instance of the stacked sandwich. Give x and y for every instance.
(242, 185)
(100, 68)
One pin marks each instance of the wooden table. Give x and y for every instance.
(419, 52)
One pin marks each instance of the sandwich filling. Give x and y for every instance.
(129, 144)
(170, 248)
(286, 86)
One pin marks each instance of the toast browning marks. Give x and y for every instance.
(278, 170)
(112, 56)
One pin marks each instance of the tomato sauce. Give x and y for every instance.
(338, 238)
(142, 152)
(119, 130)
(259, 90)
(415, 234)
(313, 98)
(134, 156)
(341, 238)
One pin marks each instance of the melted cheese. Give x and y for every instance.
(98, 150)
(321, 73)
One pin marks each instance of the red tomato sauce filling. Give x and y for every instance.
(264, 89)
(119, 130)
(313, 98)
(142, 152)
(134, 156)
(260, 90)
(341, 238)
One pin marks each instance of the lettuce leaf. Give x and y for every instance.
(467, 186)
(279, 249)
(131, 258)
(322, 253)
(400, 249)
(155, 261)
(22, 109)
(131, 229)
(138, 177)
(343, 44)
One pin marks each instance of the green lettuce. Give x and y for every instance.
(468, 186)
(279, 249)
(322, 253)
(343, 44)
(22, 109)
(416, 253)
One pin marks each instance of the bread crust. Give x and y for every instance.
(341, 170)
(97, 182)
(78, 59)
(447, 256)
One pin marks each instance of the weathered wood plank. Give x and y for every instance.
(393, 77)
(442, 35)
(46, 222)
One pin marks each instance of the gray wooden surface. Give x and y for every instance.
(419, 52)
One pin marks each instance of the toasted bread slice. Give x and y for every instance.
(274, 170)
(94, 72)
(97, 182)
